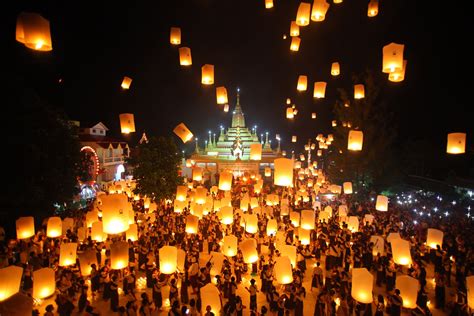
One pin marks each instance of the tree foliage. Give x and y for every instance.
(156, 168)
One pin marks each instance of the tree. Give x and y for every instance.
(156, 168)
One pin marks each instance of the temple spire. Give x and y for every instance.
(237, 116)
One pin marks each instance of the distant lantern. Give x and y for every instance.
(25, 227)
(283, 172)
(268, 172)
(132, 232)
(207, 72)
(353, 224)
(86, 259)
(229, 246)
(401, 252)
(294, 29)
(409, 288)
(175, 35)
(283, 271)
(373, 8)
(362, 285)
(470, 291)
(295, 219)
(359, 92)
(226, 107)
(10, 281)
(44, 283)
(303, 14)
(319, 89)
(127, 123)
(382, 203)
(320, 8)
(392, 57)
(293, 139)
(313, 115)
(289, 113)
(227, 215)
(456, 143)
(210, 296)
(221, 95)
(288, 101)
(337, 1)
(183, 132)
(97, 232)
(185, 58)
(249, 250)
(256, 151)
(272, 227)
(197, 174)
(304, 235)
(302, 83)
(201, 194)
(434, 238)
(119, 256)
(33, 31)
(126, 82)
(67, 254)
(225, 181)
(168, 259)
(347, 187)
(334, 123)
(335, 69)
(181, 192)
(319, 153)
(268, 4)
(244, 204)
(251, 223)
(398, 76)
(115, 210)
(295, 43)
(307, 219)
(54, 228)
(355, 140)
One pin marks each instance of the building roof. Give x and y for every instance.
(103, 141)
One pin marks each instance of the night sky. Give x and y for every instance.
(96, 43)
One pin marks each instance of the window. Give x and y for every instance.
(94, 131)
(102, 132)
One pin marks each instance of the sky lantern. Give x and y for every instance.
(283, 271)
(185, 58)
(268, 4)
(92, 216)
(67, 254)
(253, 202)
(197, 174)
(392, 57)
(381, 204)
(179, 206)
(10, 281)
(33, 31)
(307, 219)
(207, 72)
(183, 132)
(126, 82)
(409, 288)
(456, 143)
(168, 259)
(221, 95)
(181, 192)
(132, 232)
(294, 139)
(378, 247)
(295, 43)
(290, 252)
(25, 227)
(333, 123)
(251, 223)
(289, 113)
(86, 259)
(272, 227)
(313, 115)
(347, 187)
(359, 92)
(119, 255)
(401, 251)
(302, 83)
(68, 224)
(201, 194)
(229, 246)
(304, 235)
(320, 8)
(97, 232)
(175, 35)
(226, 107)
(294, 29)
(337, 1)
(55, 227)
(355, 140)
(373, 8)
(115, 209)
(295, 218)
(226, 201)
(368, 218)
(319, 89)
(353, 224)
(335, 69)
(227, 214)
(127, 123)
(192, 224)
(249, 250)
(244, 204)
(268, 172)
(434, 238)
(210, 296)
(362, 285)
(225, 181)
(470, 291)
(303, 14)
(256, 151)
(44, 283)
(398, 76)
(283, 173)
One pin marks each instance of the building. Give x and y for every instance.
(231, 150)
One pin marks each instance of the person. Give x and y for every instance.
(253, 295)
(301, 294)
(49, 310)
(379, 306)
(145, 309)
(192, 308)
(239, 307)
(114, 297)
(317, 278)
(174, 311)
(396, 303)
(173, 294)
(131, 308)
(91, 310)
(156, 292)
(65, 306)
(208, 311)
(440, 291)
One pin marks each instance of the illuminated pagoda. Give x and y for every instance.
(231, 150)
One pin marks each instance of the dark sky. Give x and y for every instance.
(97, 43)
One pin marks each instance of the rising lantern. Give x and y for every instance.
(86, 259)
(229, 246)
(249, 250)
(25, 227)
(115, 210)
(293, 139)
(283, 174)
(373, 8)
(268, 4)
(302, 83)
(456, 143)
(362, 285)
(304, 235)
(33, 31)
(10, 280)
(185, 58)
(197, 174)
(175, 36)
(168, 259)
(126, 82)
(127, 123)
(408, 287)
(181, 192)
(268, 172)
(307, 219)
(221, 95)
(359, 92)
(347, 187)
(44, 283)
(132, 232)
(256, 151)
(398, 76)
(295, 43)
(355, 140)
(251, 223)
(67, 254)
(283, 271)
(289, 113)
(225, 181)
(183, 132)
(434, 238)
(381, 203)
(320, 8)
(401, 252)
(294, 29)
(207, 72)
(272, 227)
(378, 247)
(55, 227)
(313, 115)
(97, 231)
(335, 69)
(303, 14)
(119, 255)
(392, 57)
(192, 224)
(319, 89)
(227, 215)
(210, 296)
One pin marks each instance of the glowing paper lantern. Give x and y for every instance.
(126, 82)
(115, 213)
(251, 223)
(304, 235)
(335, 69)
(44, 283)
(318, 13)
(55, 227)
(168, 259)
(378, 247)
(373, 8)
(295, 218)
(91, 217)
(401, 252)
(293, 139)
(183, 132)
(127, 123)
(353, 224)
(295, 43)
(225, 181)
(294, 29)
(119, 255)
(283, 271)
(210, 296)
(33, 31)
(355, 140)
(382, 203)
(307, 219)
(362, 285)
(272, 227)
(347, 187)
(181, 192)
(253, 202)
(197, 174)
(185, 58)
(289, 113)
(302, 83)
(67, 254)
(470, 291)
(221, 95)
(226, 201)
(244, 204)
(359, 91)
(68, 224)
(368, 218)
(256, 151)
(268, 4)
(398, 76)
(434, 238)
(132, 232)
(10, 281)
(249, 250)
(290, 252)
(268, 172)
(456, 143)
(313, 115)
(393, 236)
(175, 36)
(392, 57)
(303, 14)
(97, 232)
(86, 259)
(192, 223)
(226, 108)
(409, 288)
(207, 72)
(227, 214)
(201, 194)
(319, 89)
(229, 245)
(25, 227)
(283, 174)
